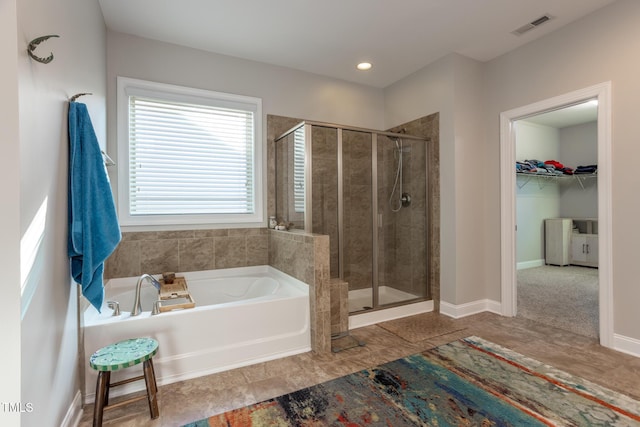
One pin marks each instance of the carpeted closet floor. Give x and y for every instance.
(562, 297)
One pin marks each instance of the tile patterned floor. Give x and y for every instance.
(195, 399)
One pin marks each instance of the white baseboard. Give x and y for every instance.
(74, 413)
(467, 309)
(626, 345)
(530, 264)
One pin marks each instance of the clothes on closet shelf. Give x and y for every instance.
(586, 169)
(547, 167)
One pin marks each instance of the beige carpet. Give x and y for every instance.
(563, 297)
(420, 327)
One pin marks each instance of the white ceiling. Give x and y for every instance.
(328, 37)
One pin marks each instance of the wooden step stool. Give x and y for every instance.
(120, 355)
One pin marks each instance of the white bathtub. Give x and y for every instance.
(242, 316)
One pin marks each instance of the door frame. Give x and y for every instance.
(601, 92)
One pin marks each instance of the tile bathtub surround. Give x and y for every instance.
(155, 252)
(306, 257)
(339, 306)
(303, 256)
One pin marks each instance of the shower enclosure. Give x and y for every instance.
(367, 190)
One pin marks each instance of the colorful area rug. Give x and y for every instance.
(470, 382)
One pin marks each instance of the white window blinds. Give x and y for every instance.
(189, 159)
(188, 156)
(298, 170)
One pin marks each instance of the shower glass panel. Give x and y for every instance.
(402, 217)
(358, 209)
(324, 191)
(289, 177)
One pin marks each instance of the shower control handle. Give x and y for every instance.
(405, 199)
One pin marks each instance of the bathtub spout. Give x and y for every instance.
(137, 306)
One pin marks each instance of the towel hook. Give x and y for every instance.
(78, 95)
(34, 43)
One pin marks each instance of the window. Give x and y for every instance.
(188, 156)
(298, 170)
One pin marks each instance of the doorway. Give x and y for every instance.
(508, 120)
(557, 218)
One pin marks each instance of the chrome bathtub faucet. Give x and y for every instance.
(137, 306)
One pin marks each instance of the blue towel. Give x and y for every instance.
(94, 232)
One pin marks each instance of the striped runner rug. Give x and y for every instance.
(469, 382)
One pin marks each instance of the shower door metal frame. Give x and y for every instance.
(375, 278)
(340, 205)
(308, 176)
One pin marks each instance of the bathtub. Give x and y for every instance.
(242, 316)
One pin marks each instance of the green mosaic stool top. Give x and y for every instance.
(123, 354)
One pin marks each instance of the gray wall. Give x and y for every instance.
(535, 200)
(49, 328)
(579, 146)
(601, 47)
(10, 214)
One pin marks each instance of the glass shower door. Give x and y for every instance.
(402, 220)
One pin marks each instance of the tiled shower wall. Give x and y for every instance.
(403, 231)
(406, 228)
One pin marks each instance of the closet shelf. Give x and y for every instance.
(523, 178)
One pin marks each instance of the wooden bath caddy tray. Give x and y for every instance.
(176, 295)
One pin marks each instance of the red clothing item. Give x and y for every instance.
(554, 163)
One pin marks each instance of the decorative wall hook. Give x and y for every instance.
(34, 43)
(78, 95)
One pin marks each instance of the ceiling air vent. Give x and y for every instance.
(531, 25)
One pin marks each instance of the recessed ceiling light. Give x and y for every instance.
(364, 66)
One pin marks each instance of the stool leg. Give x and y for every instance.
(152, 388)
(153, 374)
(102, 388)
